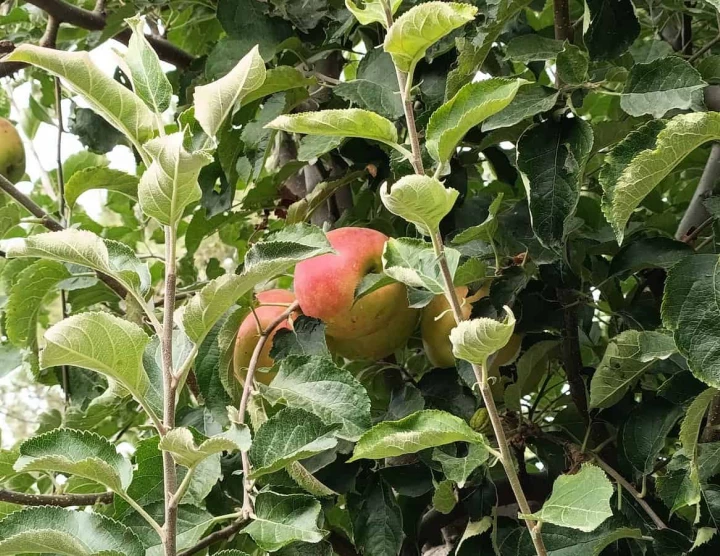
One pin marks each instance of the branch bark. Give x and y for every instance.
(95, 20)
(563, 27)
(572, 360)
(54, 226)
(60, 500)
(696, 213)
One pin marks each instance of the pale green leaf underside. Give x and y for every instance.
(86, 249)
(421, 200)
(628, 356)
(414, 263)
(416, 432)
(580, 501)
(170, 184)
(472, 105)
(80, 453)
(181, 444)
(316, 384)
(289, 435)
(100, 177)
(103, 343)
(117, 104)
(51, 530)
(215, 101)
(350, 122)
(477, 339)
(26, 299)
(417, 29)
(680, 136)
(458, 469)
(283, 519)
(371, 11)
(148, 78)
(263, 261)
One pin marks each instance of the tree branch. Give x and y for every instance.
(563, 27)
(95, 20)
(54, 226)
(61, 500)
(219, 535)
(696, 213)
(247, 387)
(570, 348)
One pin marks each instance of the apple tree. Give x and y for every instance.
(377, 277)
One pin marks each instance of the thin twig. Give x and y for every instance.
(219, 535)
(60, 500)
(247, 388)
(169, 388)
(696, 212)
(54, 226)
(619, 479)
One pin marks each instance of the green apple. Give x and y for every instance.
(12, 152)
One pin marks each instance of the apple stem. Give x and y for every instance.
(247, 508)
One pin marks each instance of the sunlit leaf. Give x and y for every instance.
(421, 200)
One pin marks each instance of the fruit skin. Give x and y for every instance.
(325, 286)
(248, 334)
(378, 344)
(436, 333)
(12, 152)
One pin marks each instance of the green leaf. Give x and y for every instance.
(475, 529)
(611, 29)
(444, 498)
(180, 442)
(690, 427)
(215, 101)
(580, 501)
(371, 11)
(686, 311)
(421, 200)
(551, 157)
(472, 105)
(289, 435)
(377, 519)
(148, 78)
(314, 146)
(531, 367)
(80, 453)
(263, 261)
(26, 298)
(351, 122)
(476, 340)
(659, 86)
(530, 100)
(416, 432)
(484, 231)
(86, 249)
(458, 469)
(572, 65)
(103, 343)
(277, 80)
(644, 432)
(628, 356)
(45, 529)
(113, 101)
(372, 96)
(100, 177)
(315, 384)
(532, 47)
(283, 519)
(414, 263)
(170, 184)
(420, 27)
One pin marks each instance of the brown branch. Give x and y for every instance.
(61, 500)
(95, 20)
(54, 226)
(570, 349)
(219, 535)
(563, 27)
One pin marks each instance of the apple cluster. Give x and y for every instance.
(368, 328)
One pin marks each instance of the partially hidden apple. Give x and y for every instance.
(371, 327)
(272, 303)
(12, 152)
